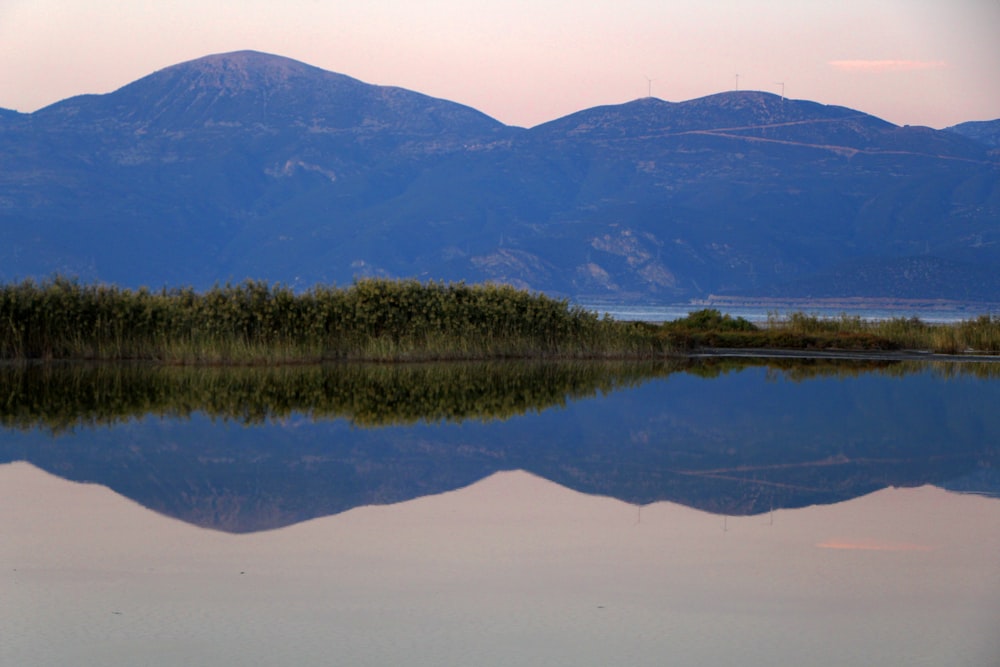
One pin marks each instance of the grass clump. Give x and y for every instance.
(710, 328)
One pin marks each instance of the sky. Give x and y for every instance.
(525, 62)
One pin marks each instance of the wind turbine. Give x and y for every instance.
(649, 86)
(782, 84)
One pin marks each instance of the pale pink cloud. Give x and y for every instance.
(886, 65)
(872, 545)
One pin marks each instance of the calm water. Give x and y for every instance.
(729, 512)
(667, 313)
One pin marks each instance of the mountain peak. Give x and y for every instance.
(254, 89)
(225, 87)
(239, 71)
(759, 107)
(244, 57)
(727, 112)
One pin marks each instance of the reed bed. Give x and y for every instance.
(799, 331)
(405, 320)
(253, 322)
(710, 328)
(979, 335)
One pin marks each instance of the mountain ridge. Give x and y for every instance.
(248, 88)
(248, 165)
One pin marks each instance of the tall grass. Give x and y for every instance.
(710, 328)
(980, 335)
(383, 320)
(256, 323)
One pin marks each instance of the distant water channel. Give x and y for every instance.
(716, 511)
(759, 314)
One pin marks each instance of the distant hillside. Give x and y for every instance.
(897, 278)
(247, 165)
(984, 131)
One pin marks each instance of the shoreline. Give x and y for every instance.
(697, 353)
(854, 355)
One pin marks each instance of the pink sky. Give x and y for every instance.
(917, 62)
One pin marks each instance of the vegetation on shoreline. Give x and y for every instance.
(798, 331)
(387, 320)
(374, 319)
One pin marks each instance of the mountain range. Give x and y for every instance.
(253, 166)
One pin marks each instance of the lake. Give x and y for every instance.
(940, 314)
(690, 512)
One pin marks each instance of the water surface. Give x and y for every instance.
(727, 512)
(760, 314)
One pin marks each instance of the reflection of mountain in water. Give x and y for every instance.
(262, 448)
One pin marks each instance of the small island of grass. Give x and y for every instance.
(405, 320)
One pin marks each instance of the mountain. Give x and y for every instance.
(247, 89)
(983, 131)
(248, 165)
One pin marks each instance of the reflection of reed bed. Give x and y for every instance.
(809, 368)
(946, 370)
(255, 323)
(61, 397)
(799, 368)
